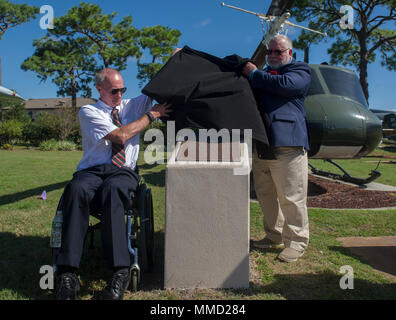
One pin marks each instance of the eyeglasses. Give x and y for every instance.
(278, 52)
(115, 91)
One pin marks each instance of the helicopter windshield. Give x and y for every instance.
(315, 87)
(343, 83)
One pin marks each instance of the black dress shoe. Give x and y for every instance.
(116, 288)
(68, 286)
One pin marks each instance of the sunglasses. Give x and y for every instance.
(278, 52)
(115, 91)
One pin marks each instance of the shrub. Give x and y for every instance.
(75, 134)
(44, 127)
(7, 146)
(68, 120)
(66, 146)
(47, 126)
(10, 131)
(54, 145)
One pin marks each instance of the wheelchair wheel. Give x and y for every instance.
(146, 234)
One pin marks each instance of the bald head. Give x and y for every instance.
(105, 75)
(106, 81)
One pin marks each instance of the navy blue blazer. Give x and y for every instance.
(281, 94)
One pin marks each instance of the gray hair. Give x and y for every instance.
(282, 37)
(102, 76)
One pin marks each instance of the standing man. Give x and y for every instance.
(110, 140)
(281, 184)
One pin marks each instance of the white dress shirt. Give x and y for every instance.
(96, 123)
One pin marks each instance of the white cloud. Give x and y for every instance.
(204, 23)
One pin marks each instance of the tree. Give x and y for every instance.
(356, 47)
(109, 44)
(68, 121)
(82, 42)
(160, 41)
(85, 40)
(12, 15)
(67, 61)
(16, 112)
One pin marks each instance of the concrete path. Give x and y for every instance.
(375, 186)
(378, 252)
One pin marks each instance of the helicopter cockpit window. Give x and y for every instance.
(344, 84)
(315, 87)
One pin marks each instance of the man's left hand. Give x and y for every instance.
(175, 51)
(161, 110)
(248, 68)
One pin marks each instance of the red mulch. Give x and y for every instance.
(323, 193)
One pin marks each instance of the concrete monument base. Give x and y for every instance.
(207, 216)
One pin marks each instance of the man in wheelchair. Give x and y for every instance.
(110, 140)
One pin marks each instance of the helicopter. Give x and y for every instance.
(340, 125)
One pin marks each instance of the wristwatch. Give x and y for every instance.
(150, 115)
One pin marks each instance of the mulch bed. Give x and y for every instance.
(323, 193)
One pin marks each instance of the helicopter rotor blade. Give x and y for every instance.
(301, 27)
(277, 8)
(260, 15)
(277, 16)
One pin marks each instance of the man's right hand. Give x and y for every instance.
(248, 68)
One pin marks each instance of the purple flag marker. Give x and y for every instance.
(44, 195)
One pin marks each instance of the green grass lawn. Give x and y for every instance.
(25, 222)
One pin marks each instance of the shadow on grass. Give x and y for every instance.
(93, 268)
(318, 286)
(381, 258)
(23, 256)
(20, 263)
(155, 178)
(15, 197)
(154, 280)
(321, 286)
(146, 166)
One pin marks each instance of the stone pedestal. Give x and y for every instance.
(207, 216)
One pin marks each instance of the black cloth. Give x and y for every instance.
(108, 188)
(208, 92)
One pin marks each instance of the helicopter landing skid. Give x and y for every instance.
(346, 177)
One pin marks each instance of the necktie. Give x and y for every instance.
(117, 150)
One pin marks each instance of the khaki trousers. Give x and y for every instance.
(281, 187)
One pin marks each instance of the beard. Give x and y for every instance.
(274, 66)
(277, 64)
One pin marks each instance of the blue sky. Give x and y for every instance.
(204, 25)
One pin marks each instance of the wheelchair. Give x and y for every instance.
(140, 233)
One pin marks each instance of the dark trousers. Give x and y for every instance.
(108, 188)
